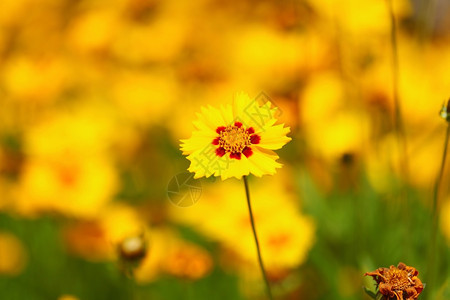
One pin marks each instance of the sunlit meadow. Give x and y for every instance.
(96, 95)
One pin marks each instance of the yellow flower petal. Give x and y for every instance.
(264, 161)
(237, 169)
(256, 113)
(205, 162)
(241, 105)
(199, 140)
(274, 137)
(211, 117)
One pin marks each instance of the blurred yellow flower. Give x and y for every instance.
(68, 168)
(381, 161)
(356, 17)
(249, 61)
(13, 12)
(423, 151)
(285, 235)
(235, 140)
(121, 221)
(68, 297)
(321, 98)
(416, 89)
(80, 130)
(345, 133)
(98, 238)
(93, 31)
(332, 128)
(145, 97)
(135, 46)
(29, 79)
(70, 185)
(12, 255)
(160, 241)
(188, 261)
(87, 239)
(171, 255)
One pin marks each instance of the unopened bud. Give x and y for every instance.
(133, 248)
(445, 111)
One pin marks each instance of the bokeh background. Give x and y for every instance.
(95, 95)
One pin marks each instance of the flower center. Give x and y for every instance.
(398, 278)
(235, 140)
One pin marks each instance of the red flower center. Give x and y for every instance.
(236, 140)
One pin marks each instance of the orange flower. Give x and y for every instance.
(398, 282)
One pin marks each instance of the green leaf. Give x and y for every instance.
(380, 296)
(370, 293)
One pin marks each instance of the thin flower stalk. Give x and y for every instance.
(258, 250)
(432, 256)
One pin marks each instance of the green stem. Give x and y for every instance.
(261, 264)
(402, 206)
(427, 9)
(432, 263)
(398, 121)
(441, 174)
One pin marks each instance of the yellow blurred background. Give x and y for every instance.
(95, 96)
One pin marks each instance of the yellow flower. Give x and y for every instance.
(76, 187)
(97, 238)
(236, 139)
(68, 165)
(169, 254)
(67, 297)
(12, 253)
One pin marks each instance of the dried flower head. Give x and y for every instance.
(400, 283)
